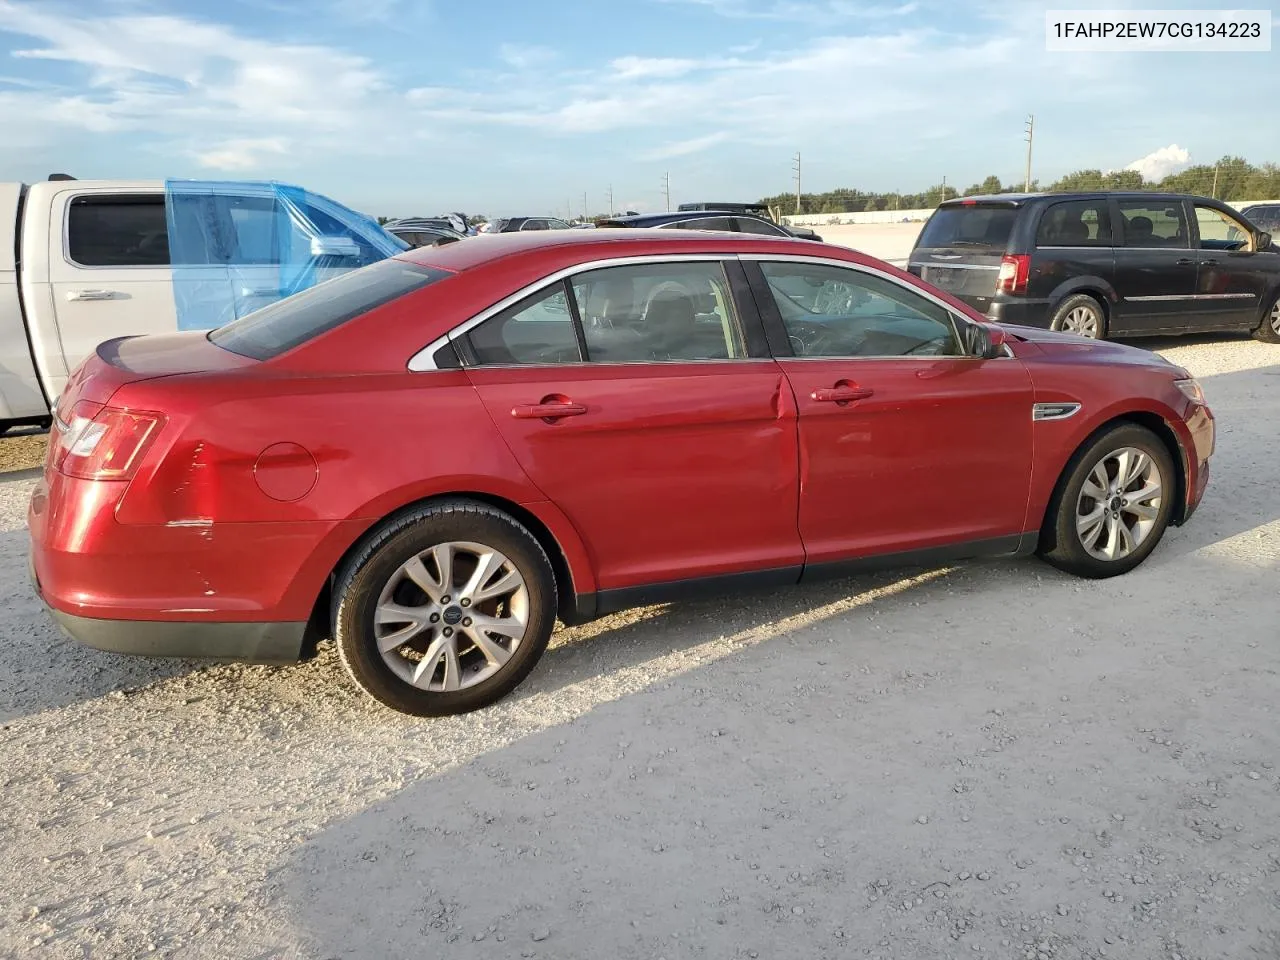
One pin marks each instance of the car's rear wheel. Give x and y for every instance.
(1082, 315)
(1114, 505)
(446, 609)
(1268, 330)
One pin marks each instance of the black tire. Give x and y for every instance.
(361, 581)
(1060, 543)
(1080, 302)
(1268, 328)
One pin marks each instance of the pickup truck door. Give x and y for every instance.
(109, 275)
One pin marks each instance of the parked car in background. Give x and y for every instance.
(518, 224)
(760, 211)
(813, 412)
(1264, 216)
(83, 261)
(1105, 264)
(424, 232)
(705, 220)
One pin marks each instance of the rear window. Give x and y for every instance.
(287, 323)
(981, 226)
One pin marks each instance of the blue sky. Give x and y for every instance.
(405, 107)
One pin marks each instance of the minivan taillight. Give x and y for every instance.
(1015, 270)
(103, 443)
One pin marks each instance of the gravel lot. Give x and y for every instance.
(994, 761)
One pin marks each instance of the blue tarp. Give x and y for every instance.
(236, 246)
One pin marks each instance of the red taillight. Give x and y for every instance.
(103, 443)
(1015, 270)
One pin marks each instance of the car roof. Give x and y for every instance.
(591, 244)
(644, 219)
(1020, 198)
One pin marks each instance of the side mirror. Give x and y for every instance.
(1264, 240)
(334, 247)
(984, 340)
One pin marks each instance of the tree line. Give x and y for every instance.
(1231, 178)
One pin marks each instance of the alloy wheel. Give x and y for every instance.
(452, 616)
(1083, 321)
(1119, 504)
(1274, 319)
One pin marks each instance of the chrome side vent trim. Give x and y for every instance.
(1054, 411)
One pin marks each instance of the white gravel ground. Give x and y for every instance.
(991, 761)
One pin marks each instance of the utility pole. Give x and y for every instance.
(611, 200)
(666, 189)
(796, 168)
(1214, 192)
(585, 215)
(1030, 136)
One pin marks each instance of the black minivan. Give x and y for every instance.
(1104, 264)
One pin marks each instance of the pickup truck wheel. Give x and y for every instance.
(1268, 331)
(1114, 505)
(445, 610)
(1082, 315)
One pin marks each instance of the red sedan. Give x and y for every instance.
(433, 458)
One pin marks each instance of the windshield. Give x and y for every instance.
(980, 226)
(287, 323)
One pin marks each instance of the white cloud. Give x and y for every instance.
(240, 154)
(525, 56)
(682, 148)
(803, 11)
(1159, 164)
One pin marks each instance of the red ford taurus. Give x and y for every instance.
(433, 458)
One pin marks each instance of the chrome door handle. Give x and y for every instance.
(90, 294)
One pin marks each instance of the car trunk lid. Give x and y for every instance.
(960, 248)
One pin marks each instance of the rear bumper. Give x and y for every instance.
(1026, 313)
(252, 642)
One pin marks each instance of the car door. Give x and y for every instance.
(1155, 267)
(906, 444)
(1232, 279)
(638, 400)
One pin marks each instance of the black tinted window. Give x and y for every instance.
(703, 223)
(120, 231)
(294, 320)
(752, 225)
(1076, 223)
(1265, 218)
(981, 225)
(1160, 223)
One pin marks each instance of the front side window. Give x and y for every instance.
(287, 323)
(1076, 223)
(538, 329)
(1150, 223)
(1219, 231)
(658, 312)
(119, 231)
(837, 312)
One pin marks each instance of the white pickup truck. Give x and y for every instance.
(83, 261)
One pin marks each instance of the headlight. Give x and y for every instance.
(1191, 389)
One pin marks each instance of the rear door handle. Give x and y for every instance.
(547, 411)
(841, 394)
(1185, 262)
(90, 294)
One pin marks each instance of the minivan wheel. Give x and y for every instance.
(1268, 331)
(445, 610)
(1082, 315)
(1114, 506)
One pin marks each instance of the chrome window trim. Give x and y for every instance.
(1063, 410)
(424, 359)
(957, 266)
(1092, 246)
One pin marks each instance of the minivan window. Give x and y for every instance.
(119, 231)
(1075, 223)
(982, 226)
(1159, 223)
(287, 323)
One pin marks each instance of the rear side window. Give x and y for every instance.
(119, 231)
(703, 223)
(752, 225)
(287, 323)
(1076, 223)
(1154, 224)
(981, 226)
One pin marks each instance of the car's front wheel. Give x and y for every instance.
(446, 609)
(1114, 505)
(1268, 330)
